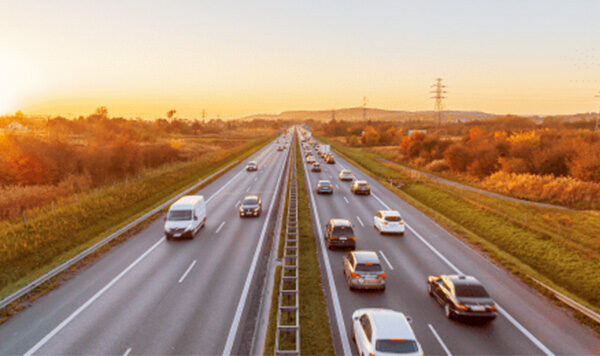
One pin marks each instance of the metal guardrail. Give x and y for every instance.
(65, 265)
(570, 302)
(288, 313)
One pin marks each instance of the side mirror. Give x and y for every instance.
(195, 218)
(409, 319)
(355, 318)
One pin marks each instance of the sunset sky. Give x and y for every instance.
(142, 58)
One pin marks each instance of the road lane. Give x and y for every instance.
(413, 262)
(148, 311)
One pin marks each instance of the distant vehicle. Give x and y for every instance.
(251, 206)
(360, 187)
(461, 296)
(310, 159)
(363, 270)
(308, 153)
(324, 187)
(185, 217)
(388, 222)
(330, 159)
(252, 166)
(325, 149)
(278, 141)
(280, 148)
(380, 331)
(316, 167)
(339, 233)
(345, 174)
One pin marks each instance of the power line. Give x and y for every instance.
(438, 94)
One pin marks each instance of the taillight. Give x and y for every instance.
(371, 354)
(384, 223)
(353, 238)
(330, 186)
(331, 237)
(355, 275)
(382, 275)
(401, 222)
(493, 307)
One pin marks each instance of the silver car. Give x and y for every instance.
(363, 270)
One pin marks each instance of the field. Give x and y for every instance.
(54, 233)
(561, 248)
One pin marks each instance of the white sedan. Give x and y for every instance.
(379, 331)
(388, 222)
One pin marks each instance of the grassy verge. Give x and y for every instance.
(315, 333)
(282, 233)
(53, 236)
(272, 329)
(560, 248)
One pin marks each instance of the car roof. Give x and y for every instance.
(324, 181)
(251, 197)
(187, 201)
(340, 222)
(360, 182)
(462, 280)
(345, 171)
(366, 257)
(252, 162)
(390, 213)
(390, 324)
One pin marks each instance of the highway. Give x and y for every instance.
(527, 322)
(153, 296)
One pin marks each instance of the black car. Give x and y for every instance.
(316, 167)
(251, 206)
(360, 187)
(324, 187)
(461, 296)
(252, 166)
(329, 158)
(339, 233)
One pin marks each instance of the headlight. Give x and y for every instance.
(189, 227)
(167, 228)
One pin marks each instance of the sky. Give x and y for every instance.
(235, 58)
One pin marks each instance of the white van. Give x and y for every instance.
(185, 217)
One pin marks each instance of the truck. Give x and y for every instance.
(185, 217)
(325, 149)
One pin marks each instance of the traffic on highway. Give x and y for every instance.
(192, 281)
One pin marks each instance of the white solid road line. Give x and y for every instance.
(238, 203)
(439, 339)
(127, 352)
(186, 272)
(332, 288)
(70, 318)
(240, 307)
(512, 320)
(347, 202)
(247, 190)
(360, 221)
(220, 227)
(386, 260)
(85, 305)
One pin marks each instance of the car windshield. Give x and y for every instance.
(324, 182)
(250, 201)
(398, 346)
(180, 215)
(343, 231)
(393, 218)
(470, 291)
(362, 184)
(368, 267)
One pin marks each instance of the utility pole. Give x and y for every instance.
(597, 128)
(332, 114)
(203, 114)
(364, 108)
(438, 94)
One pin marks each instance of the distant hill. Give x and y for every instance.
(356, 113)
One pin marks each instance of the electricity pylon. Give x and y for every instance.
(438, 94)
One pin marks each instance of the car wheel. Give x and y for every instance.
(448, 311)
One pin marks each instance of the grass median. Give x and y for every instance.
(52, 236)
(560, 248)
(315, 332)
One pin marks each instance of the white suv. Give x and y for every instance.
(383, 332)
(389, 222)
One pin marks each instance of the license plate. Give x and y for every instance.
(342, 239)
(176, 235)
(478, 308)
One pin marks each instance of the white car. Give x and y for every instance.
(345, 174)
(310, 159)
(383, 332)
(389, 222)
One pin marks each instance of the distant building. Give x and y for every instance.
(423, 131)
(15, 126)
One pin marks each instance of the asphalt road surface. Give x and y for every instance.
(153, 296)
(527, 323)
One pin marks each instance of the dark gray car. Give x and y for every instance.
(251, 206)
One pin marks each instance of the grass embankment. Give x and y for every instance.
(315, 333)
(52, 236)
(560, 248)
(272, 330)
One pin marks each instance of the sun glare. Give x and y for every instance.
(16, 81)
